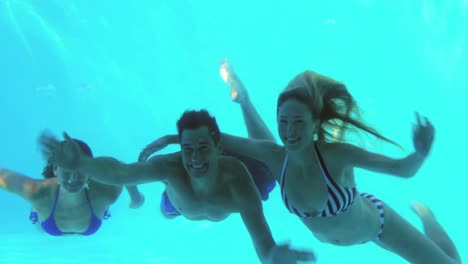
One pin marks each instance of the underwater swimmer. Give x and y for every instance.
(315, 171)
(67, 202)
(201, 183)
(256, 129)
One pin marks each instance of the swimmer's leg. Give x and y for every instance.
(435, 231)
(256, 127)
(136, 197)
(403, 239)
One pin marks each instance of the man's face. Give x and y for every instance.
(199, 151)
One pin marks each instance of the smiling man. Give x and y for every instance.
(201, 183)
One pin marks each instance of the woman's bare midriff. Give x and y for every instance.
(359, 224)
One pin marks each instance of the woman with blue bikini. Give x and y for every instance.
(66, 202)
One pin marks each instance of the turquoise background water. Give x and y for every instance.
(118, 74)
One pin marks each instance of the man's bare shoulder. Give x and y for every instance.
(234, 170)
(171, 159)
(240, 183)
(229, 163)
(170, 163)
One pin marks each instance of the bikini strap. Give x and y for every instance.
(107, 214)
(89, 201)
(34, 217)
(283, 171)
(56, 199)
(322, 164)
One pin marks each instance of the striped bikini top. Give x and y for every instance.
(339, 198)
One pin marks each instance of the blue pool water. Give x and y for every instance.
(118, 74)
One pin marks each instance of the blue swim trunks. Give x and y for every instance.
(261, 175)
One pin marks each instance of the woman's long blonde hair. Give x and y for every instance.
(331, 102)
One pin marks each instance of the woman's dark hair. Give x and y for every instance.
(192, 119)
(48, 171)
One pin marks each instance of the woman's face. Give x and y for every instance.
(72, 181)
(296, 125)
